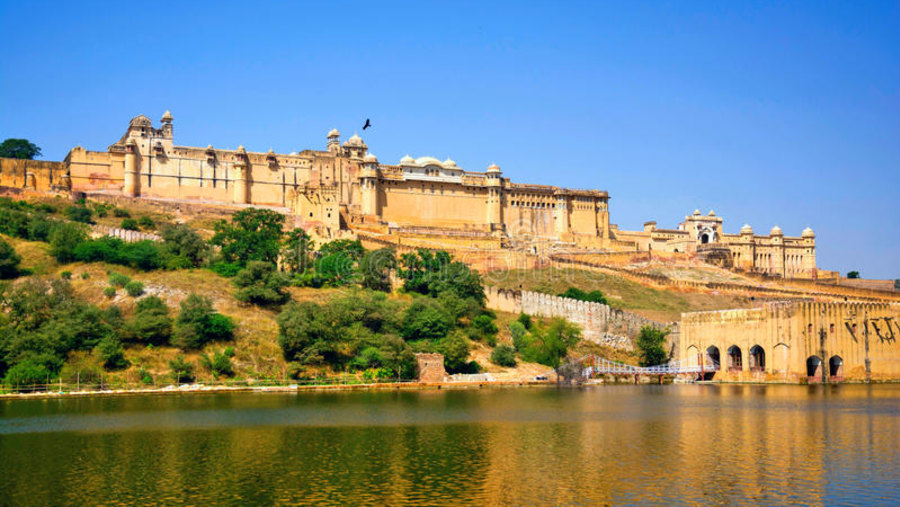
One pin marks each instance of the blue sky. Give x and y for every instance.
(769, 113)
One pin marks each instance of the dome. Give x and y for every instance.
(712, 213)
(371, 159)
(354, 140)
(696, 213)
(166, 117)
(334, 133)
(493, 168)
(407, 160)
(140, 121)
(449, 163)
(271, 152)
(808, 233)
(423, 161)
(746, 229)
(776, 231)
(209, 148)
(241, 149)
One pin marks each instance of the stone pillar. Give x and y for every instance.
(241, 175)
(131, 188)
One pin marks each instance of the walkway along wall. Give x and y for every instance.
(797, 341)
(599, 323)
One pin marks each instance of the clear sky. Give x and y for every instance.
(769, 113)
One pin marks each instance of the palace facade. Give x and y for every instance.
(346, 187)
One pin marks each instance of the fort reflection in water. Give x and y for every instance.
(634, 444)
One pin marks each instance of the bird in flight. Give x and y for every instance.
(367, 125)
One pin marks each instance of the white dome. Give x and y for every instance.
(808, 233)
(776, 231)
(746, 229)
(370, 158)
(493, 168)
(407, 160)
(167, 116)
(697, 212)
(355, 140)
(712, 213)
(449, 163)
(334, 133)
(428, 161)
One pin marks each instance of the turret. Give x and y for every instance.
(167, 130)
(131, 187)
(334, 141)
(355, 147)
(369, 185)
(241, 175)
(561, 213)
(493, 205)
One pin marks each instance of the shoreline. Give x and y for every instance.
(387, 386)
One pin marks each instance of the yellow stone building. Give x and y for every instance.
(346, 187)
(775, 254)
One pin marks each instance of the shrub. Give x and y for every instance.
(9, 260)
(425, 319)
(27, 374)
(221, 365)
(594, 296)
(85, 275)
(66, 275)
(64, 239)
(261, 284)
(110, 351)
(504, 355)
(129, 224)
(109, 292)
(121, 213)
(151, 322)
(525, 320)
(145, 375)
(79, 214)
(651, 345)
(39, 228)
(226, 269)
(134, 288)
(254, 234)
(118, 279)
(519, 335)
(182, 370)
(184, 244)
(229, 351)
(147, 222)
(456, 352)
(483, 327)
(198, 324)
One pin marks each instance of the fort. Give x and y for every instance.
(344, 187)
(830, 329)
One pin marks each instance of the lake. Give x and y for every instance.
(647, 444)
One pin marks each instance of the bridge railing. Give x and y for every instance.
(593, 365)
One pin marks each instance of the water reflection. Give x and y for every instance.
(623, 444)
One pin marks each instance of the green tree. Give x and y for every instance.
(352, 248)
(295, 251)
(651, 345)
(19, 148)
(376, 267)
(426, 319)
(9, 260)
(336, 269)
(455, 349)
(151, 323)
(261, 284)
(594, 296)
(28, 374)
(853, 274)
(182, 242)
(182, 370)
(110, 351)
(434, 273)
(504, 355)
(198, 324)
(254, 234)
(64, 239)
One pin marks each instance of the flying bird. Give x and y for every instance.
(367, 125)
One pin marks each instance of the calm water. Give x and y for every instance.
(684, 444)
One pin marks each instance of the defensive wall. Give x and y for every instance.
(33, 174)
(795, 342)
(599, 323)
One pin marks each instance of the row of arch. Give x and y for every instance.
(757, 362)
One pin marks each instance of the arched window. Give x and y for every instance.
(814, 368)
(836, 368)
(757, 359)
(712, 356)
(735, 359)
